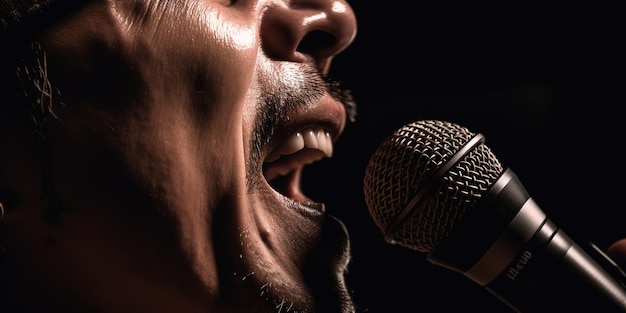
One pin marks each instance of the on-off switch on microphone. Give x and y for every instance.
(435, 187)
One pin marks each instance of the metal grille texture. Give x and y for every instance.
(406, 161)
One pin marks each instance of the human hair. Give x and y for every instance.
(26, 91)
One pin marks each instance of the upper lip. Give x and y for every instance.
(318, 128)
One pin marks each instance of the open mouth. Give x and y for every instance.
(283, 166)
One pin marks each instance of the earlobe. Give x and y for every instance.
(21, 165)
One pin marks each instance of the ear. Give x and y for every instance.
(21, 170)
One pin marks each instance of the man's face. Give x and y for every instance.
(169, 176)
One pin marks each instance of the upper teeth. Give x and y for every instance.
(310, 138)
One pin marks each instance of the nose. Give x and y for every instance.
(300, 29)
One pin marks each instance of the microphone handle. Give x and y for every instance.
(554, 274)
(532, 266)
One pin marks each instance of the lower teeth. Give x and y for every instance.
(314, 205)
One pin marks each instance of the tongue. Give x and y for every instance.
(290, 163)
(289, 185)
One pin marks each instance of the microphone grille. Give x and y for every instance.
(410, 161)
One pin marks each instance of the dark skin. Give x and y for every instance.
(162, 170)
(146, 187)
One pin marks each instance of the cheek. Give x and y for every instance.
(231, 75)
(225, 43)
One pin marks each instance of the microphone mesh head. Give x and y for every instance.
(408, 161)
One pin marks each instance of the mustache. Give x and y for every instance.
(284, 96)
(344, 96)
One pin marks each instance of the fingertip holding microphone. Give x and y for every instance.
(436, 188)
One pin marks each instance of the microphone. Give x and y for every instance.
(436, 188)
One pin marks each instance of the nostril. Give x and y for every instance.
(305, 30)
(317, 43)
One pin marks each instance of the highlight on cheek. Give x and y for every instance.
(220, 27)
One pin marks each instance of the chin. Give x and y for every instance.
(297, 266)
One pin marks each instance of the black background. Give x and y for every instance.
(544, 82)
